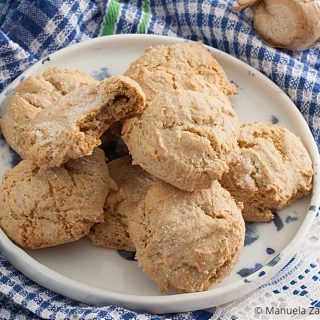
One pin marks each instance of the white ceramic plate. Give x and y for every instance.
(100, 276)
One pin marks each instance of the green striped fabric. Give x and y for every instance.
(112, 15)
(145, 17)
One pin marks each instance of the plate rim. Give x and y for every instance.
(170, 303)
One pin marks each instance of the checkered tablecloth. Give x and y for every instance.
(31, 29)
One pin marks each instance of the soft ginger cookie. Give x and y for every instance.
(185, 138)
(34, 94)
(72, 128)
(42, 208)
(274, 170)
(187, 241)
(155, 82)
(187, 57)
(132, 184)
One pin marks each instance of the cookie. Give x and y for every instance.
(44, 208)
(34, 94)
(66, 80)
(72, 128)
(132, 184)
(274, 170)
(156, 81)
(190, 57)
(184, 138)
(187, 241)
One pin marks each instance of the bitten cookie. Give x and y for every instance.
(185, 138)
(132, 184)
(274, 170)
(72, 128)
(35, 94)
(43, 208)
(190, 57)
(187, 241)
(157, 81)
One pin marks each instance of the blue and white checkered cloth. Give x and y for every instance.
(31, 29)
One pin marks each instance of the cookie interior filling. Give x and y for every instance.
(99, 120)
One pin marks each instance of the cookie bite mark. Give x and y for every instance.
(274, 170)
(43, 208)
(121, 99)
(187, 241)
(33, 95)
(72, 129)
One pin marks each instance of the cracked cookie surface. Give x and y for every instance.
(132, 184)
(185, 138)
(187, 241)
(59, 116)
(42, 208)
(72, 128)
(155, 82)
(187, 57)
(274, 170)
(35, 94)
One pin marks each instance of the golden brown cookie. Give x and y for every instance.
(185, 138)
(72, 128)
(187, 241)
(34, 94)
(66, 80)
(132, 184)
(43, 208)
(188, 57)
(275, 169)
(156, 81)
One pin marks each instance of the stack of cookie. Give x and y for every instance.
(54, 122)
(179, 199)
(189, 152)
